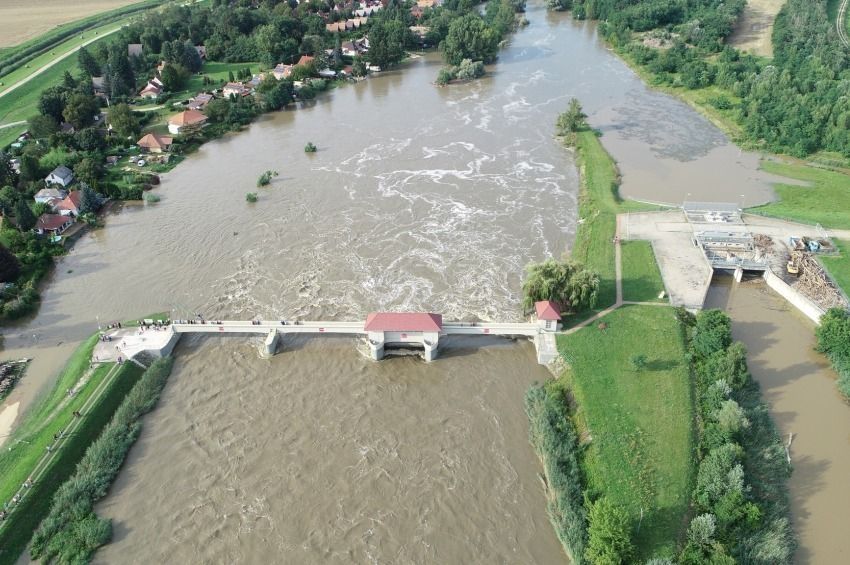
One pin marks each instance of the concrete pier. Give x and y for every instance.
(269, 347)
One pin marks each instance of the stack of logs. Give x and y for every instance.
(8, 376)
(814, 282)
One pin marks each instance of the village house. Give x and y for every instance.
(186, 122)
(150, 91)
(305, 60)
(155, 143)
(257, 79)
(235, 89)
(48, 195)
(327, 73)
(70, 205)
(200, 101)
(61, 175)
(135, 50)
(202, 52)
(282, 71)
(65, 127)
(98, 85)
(53, 224)
(416, 11)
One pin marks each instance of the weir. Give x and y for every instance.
(381, 330)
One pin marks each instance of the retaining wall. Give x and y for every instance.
(802, 303)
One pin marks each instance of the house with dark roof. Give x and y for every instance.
(48, 195)
(135, 50)
(61, 175)
(52, 224)
(200, 101)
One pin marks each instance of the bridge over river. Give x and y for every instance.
(380, 330)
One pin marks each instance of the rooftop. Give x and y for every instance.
(403, 322)
(547, 310)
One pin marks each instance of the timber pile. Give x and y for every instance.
(815, 283)
(10, 372)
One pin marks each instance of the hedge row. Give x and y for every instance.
(72, 531)
(834, 341)
(740, 498)
(554, 437)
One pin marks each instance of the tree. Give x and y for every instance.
(470, 38)
(51, 102)
(566, 283)
(217, 110)
(10, 268)
(8, 197)
(7, 173)
(469, 70)
(174, 77)
(89, 170)
(608, 539)
(89, 139)
(266, 178)
(639, 362)
(81, 110)
(88, 64)
(276, 93)
(122, 121)
(713, 332)
(42, 126)
(24, 216)
(573, 119)
(358, 68)
(90, 202)
(387, 40)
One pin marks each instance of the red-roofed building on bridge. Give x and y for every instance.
(401, 328)
(548, 315)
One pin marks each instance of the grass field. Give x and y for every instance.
(640, 422)
(25, 19)
(825, 201)
(839, 267)
(753, 30)
(641, 277)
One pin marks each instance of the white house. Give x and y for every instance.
(61, 175)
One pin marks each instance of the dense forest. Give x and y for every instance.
(796, 103)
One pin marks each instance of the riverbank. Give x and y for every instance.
(46, 446)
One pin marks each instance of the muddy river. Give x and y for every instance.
(799, 386)
(418, 198)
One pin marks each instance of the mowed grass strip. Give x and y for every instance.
(640, 422)
(825, 201)
(839, 267)
(641, 277)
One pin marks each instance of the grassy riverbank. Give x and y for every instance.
(99, 391)
(599, 204)
(641, 276)
(637, 422)
(71, 532)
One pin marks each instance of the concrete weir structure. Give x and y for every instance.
(381, 330)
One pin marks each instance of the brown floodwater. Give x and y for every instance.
(419, 198)
(799, 387)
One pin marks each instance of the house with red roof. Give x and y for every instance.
(548, 315)
(70, 205)
(305, 60)
(53, 224)
(186, 122)
(155, 143)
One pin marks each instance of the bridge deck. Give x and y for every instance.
(350, 328)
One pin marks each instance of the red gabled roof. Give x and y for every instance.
(305, 59)
(72, 201)
(51, 221)
(547, 310)
(403, 322)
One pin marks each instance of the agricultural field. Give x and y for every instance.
(755, 26)
(21, 20)
(637, 418)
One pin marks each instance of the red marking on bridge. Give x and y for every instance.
(321, 329)
(221, 328)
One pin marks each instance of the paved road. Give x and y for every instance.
(841, 24)
(55, 61)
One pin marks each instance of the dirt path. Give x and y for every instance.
(754, 28)
(840, 24)
(56, 60)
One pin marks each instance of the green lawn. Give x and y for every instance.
(825, 201)
(639, 424)
(21, 103)
(839, 267)
(641, 277)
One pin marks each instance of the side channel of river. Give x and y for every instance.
(799, 386)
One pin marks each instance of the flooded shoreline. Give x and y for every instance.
(799, 387)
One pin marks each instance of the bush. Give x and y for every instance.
(833, 336)
(469, 69)
(608, 539)
(266, 178)
(445, 76)
(151, 198)
(310, 148)
(251, 197)
(71, 532)
(554, 438)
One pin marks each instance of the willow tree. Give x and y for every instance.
(567, 283)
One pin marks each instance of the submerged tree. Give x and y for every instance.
(266, 178)
(566, 283)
